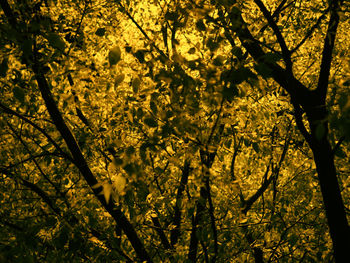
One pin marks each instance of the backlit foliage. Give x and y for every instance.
(185, 134)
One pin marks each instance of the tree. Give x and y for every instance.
(176, 128)
(313, 103)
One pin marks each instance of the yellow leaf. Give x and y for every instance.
(96, 186)
(120, 184)
(107, 191)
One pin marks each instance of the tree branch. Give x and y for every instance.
(44, 196)
(309, 33)
(50, 139)
(73, 147)
(141, 30)
(293, 86)
(160, 232)
(280, 38)
(276, 13)
(212, 220)
(36, 163)
(251, 200)
(83, 167)
(175, 233)
(299, 121)
(327, 50)
(336, 147)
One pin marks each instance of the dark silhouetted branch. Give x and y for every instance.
(175, 233)
(327, 50)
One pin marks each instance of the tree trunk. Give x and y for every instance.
(336, 216)
(327, 175)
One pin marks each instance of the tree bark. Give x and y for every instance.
(331, 194)
(313, 102)
(335, 212)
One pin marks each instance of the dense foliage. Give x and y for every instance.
(166, 131)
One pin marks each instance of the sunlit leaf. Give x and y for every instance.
(119, 184)
(107, 191)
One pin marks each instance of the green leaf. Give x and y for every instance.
(192, 50)
(117, 161)
(230, 93)
(129, 169)
(172, 16)
(143, 150)
(256, 147)
(153, 107)
(4, 67)
(219, 60)
(241, 74)
(19, 94)
(62, 238)
(340, 153)
(346, 83)
(114, 56)
(140, 55)
(76, 244)
(136, 85)
(128, 49)
(130, 150)
(228, 143)
(151, 122)
(118, 80)
(237, 52)
(190, 212)
(212, 44)
(100, 32)
(293, 239)
(200, 25)
(56, 41)
(139, 113)
(142, 191)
